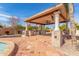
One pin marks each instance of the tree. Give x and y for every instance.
(1, 26)
(37, 28)
(20, 27)
(30, 28)
(73, 27)
(70, 12)
(62, 27)
(14, 23)
(77, 27)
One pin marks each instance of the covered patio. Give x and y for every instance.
(53, 15)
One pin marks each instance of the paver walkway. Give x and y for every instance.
(34, 46)
(70, 49)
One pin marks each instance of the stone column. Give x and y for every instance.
(24, 32)
(56, 34)
(56, 17)
(26, 28)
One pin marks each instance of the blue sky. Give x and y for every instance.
(26, 10)
(76, 12)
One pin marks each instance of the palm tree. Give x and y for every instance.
(70, 12)
(72, 23)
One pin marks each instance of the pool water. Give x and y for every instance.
(3, 46)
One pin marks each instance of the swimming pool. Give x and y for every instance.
(3, 46)
(6, 48)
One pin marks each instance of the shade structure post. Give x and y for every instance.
(24, 33)
(26, 27)
(57, 40)
(56, 17)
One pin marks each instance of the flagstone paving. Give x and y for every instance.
(34, 46)
(69, 49)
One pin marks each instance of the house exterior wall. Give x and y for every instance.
(8, 31)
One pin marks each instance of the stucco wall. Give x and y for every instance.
(4, 30)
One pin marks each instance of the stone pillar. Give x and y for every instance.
(56, 34)
(24, 32)
(56, 16)
(26, 28)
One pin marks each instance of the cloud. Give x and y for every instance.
(3, 19)
(6, 16)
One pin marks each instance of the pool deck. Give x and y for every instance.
(34, 46)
